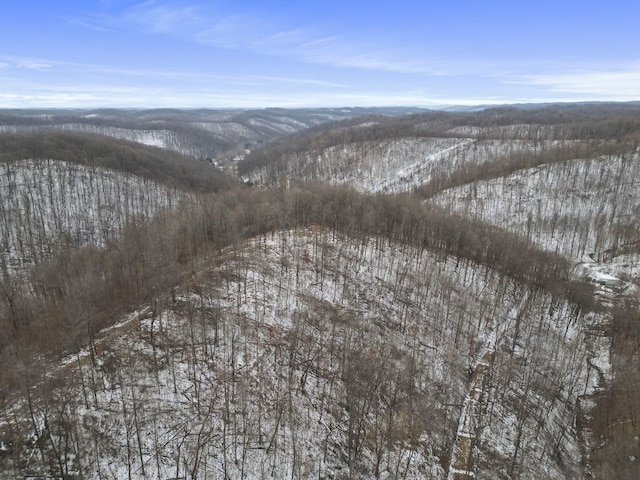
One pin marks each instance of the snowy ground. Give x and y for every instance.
(162, 138)
(580, 208)
(46, 204)
(308, 354)
(389, 166)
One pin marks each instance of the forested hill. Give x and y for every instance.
(594, 123)
(67, 190)
(198, 133)
(286, 332)
(438, 295)
(582, 160)
(167, 167)
(563, 178)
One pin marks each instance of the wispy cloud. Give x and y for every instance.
(25, 63)
(33, 64)
(272, 37)
(163, 19)
(143, 75)
(95, 22)
(232, 32)
(608, 84)
(299, 81)
(379, 61)
(67, 85)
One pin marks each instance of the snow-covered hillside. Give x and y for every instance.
(313, 331)
(390, 165)
(580, 208)
(580, 198)
(162, 138)
(49, 204)
(304, 353)
(155, 138)
(199, 133)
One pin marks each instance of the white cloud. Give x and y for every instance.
(374, 61)
(299, 81)
(162, 19)
(33, 64)
(26, 63)
(612, 84)
(231, 32)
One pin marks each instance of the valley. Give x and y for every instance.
(375, 294)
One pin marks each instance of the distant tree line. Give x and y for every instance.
(200, 133)
(556, 122)
(170, 168)
(506, 165)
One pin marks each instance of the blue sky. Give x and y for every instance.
(258, 53)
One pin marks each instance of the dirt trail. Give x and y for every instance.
(461, 464)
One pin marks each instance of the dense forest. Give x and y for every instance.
(609, 123)
(132, 270)
(199, 133)
(169, 168)
(432, 295)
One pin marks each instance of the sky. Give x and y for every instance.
(327, 53)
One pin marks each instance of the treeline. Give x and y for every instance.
(200, 133)
(315, 138)
(166, 167)
(506, 165)
(357, 130)
(613, 420)
(555, 122)
(61, 303)
(154, 118)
